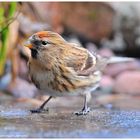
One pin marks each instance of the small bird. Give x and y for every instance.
(62, 68)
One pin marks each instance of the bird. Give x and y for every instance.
(62, 68)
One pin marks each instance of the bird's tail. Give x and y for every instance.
(116, 59)
(103, 61)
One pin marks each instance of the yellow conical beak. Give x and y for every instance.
(28, 44)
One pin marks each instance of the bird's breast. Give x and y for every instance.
(41, 78)
(48, 80)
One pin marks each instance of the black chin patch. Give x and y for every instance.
(34, 53)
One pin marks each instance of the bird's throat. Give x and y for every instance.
(34, 53)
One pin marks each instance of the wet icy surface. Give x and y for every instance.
(17, 121)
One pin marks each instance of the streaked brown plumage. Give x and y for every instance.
(63, 68)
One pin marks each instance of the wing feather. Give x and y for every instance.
(83, 62)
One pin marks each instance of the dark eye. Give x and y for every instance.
(44, 42)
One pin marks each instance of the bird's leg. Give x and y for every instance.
(41, 108)
(85, 109)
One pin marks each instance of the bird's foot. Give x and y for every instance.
(84, 111)
(39, 110)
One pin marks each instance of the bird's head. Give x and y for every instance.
(41, 41)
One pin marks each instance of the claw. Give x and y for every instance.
(39, 110)
(84, 111)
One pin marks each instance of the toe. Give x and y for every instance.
(35, 111)
(83, 112)
(39, 110)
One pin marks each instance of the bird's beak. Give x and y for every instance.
(28, 44)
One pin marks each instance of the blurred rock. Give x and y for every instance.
(127, 22)
(115, 69)
(7, 76)
(128, 83)
(116, 43)
(23, 69)
(5, 80)
(35, 26)
(73, 39)
(91, 47)
(106, 52)
(22, 89)
(92, 20)
(107, 83)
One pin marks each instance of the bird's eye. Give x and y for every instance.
(44, 42)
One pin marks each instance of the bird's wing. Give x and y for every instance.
(83, 62)
(80, 69)
(92, 68)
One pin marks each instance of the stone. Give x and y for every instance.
(22, 89)
(107, 83)
(106, 52)
(87, 19)
(128, 82)
(117, 68)
(23, 70)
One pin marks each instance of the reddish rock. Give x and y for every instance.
(92, 15)
(107, 84)
(128, 82)
(105, 52)
(22, 89)
(107, 81)
(23, 70)
(117, 68)
(93, 20)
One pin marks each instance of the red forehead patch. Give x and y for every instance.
(42, 34)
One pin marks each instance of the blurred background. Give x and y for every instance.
(110, 29)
